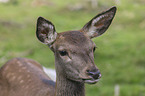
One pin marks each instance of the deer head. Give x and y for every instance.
(74, 50)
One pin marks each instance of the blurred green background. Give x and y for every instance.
(121, 50)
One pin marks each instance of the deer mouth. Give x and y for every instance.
(91, 81)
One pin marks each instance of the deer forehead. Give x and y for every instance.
(73, 40)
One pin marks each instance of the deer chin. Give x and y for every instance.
(91, 81)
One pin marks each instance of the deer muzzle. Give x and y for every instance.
(94, 75)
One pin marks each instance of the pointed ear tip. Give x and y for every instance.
(113, 8)
(40, 18)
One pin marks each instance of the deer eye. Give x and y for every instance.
(94, 49)
(63, 53)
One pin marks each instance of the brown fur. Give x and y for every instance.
(74, 61)
(24, 77)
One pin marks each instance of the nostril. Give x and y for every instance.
(95, 75)
(89, 72)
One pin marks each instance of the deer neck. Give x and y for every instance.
(66, 87)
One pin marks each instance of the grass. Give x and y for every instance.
(120, 54)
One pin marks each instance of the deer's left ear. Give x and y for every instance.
(99, 24)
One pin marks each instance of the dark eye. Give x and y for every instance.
(62, 53)
(94, 49)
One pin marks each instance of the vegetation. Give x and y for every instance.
(121, 50)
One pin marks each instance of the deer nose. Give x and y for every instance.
(94, 73)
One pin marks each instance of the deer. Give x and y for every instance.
(74, 61)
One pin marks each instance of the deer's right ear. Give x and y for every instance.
(45, 31)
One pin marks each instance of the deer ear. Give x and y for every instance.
(45, 31)
(99, 24)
